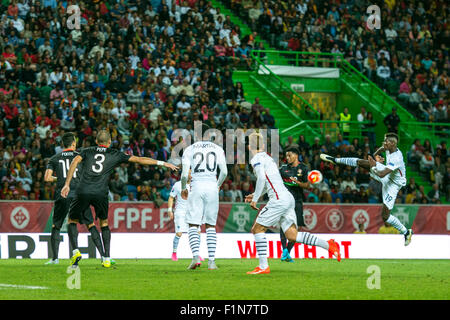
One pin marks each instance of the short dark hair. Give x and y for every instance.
(293, 150)
(67, 139)
(392, 135)
(103, 137)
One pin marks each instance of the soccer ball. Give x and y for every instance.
(315, 176)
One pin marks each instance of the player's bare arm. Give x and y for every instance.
(152, 162)
(170, 207)
(381, 173)
(73, 166)
(48, 177)
(380, 150)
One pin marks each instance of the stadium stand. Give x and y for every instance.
(144, 69)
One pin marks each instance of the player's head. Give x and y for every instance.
(291, 154)
(69, 140)
(256, 143)
(103, 138)
(390, 141)
(205, 128)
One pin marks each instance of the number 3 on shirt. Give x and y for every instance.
(98, 166)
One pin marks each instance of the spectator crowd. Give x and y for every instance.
(143, 69)
(408, 56)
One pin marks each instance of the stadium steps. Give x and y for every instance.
(421, 181)
(253, 89)
(245, 29)
(283, 118)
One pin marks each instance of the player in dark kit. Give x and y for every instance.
(295, 177)
(57, 169)
(97, 164)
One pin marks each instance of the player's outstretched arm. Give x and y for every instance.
(48, 177)
(152, 162)
(73, 166)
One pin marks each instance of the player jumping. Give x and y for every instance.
(279, 210)
(392, 177)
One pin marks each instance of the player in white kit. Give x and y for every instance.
(204, 158)
(279, 210)
(392, 176)
(179, 215)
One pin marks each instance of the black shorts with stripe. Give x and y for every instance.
(80, 208)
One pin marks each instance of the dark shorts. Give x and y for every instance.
(299, 214)
(82, 202)
(61, 209)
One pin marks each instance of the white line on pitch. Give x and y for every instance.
(16, 286)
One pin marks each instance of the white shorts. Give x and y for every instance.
(389, 190)
(203, 203)
(278, 213)
(180, 221)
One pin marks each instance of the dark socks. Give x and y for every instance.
(283, 239)
(290, 245)
(72, 230)
(95, 236)
(106, 236)
(54, 241)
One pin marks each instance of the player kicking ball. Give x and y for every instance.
(179, 215)
(279, 210)
(392, 177)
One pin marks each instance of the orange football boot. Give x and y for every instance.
(334, 249)
(258, 270)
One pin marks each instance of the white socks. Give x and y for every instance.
(352, 162)
(261, 248)
(311, 240)
(393, 221)
(211, 241)
(194, 241)
(176, 240)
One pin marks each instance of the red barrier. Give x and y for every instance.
(35, 216)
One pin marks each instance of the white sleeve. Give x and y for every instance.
(393, 164)
(223, 168)
(186, 164)
(173, 192)
(260, 181)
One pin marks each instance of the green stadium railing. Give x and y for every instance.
(409, 130)
(284, 92)
(321, 128)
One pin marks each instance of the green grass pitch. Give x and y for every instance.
(167, 280)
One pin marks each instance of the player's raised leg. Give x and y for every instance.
(352, 162)
(309, 239)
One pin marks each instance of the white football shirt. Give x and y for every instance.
(266, 171)
(203, 158)
(180, 203)
(395, 162)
